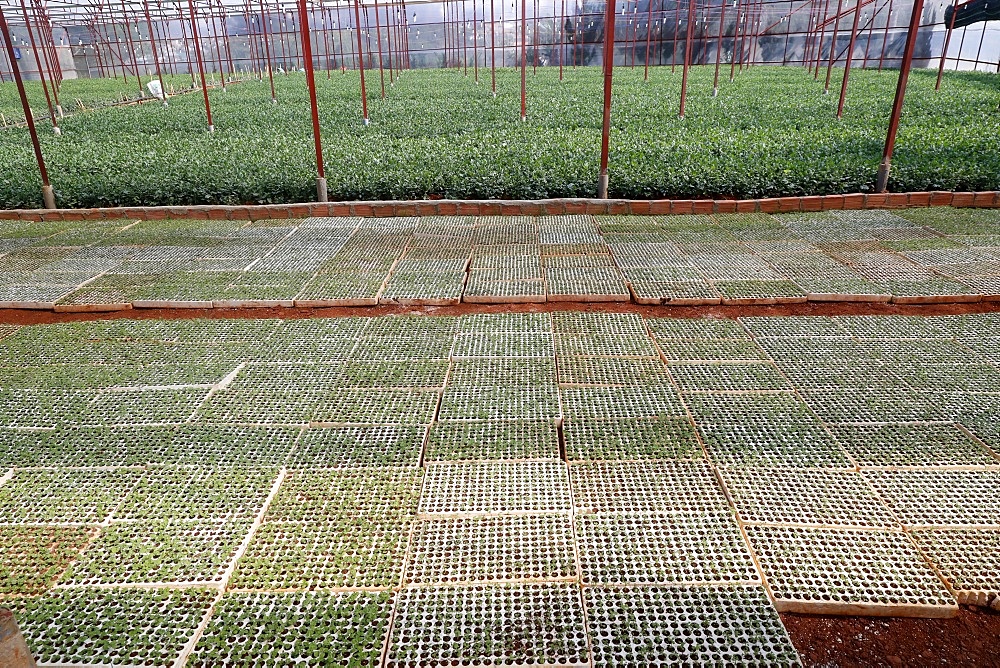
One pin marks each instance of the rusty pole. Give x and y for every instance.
(156, 56)
(882, 179)
(687, 56)
(267, 50)
(609, 63)
(378, 38)
(361, 62)
(48, 196)
(524, 59)
(833, 48)
(493, 48)
(201, 65)
(850, 58)
(718, 49)
(947, 41)
(321, 192)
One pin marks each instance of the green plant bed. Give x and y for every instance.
(770, 132)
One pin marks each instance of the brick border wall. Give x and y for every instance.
(384, 209)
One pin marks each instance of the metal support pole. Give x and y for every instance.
(882, 180)
(493, 48)
(687, 56)
(649, 32)
(850, 58)
(267, 51)
(321, 192)
(361, 62)
(201, 65)
(947, 41)
(378, 39)
(833, 48)
(38, 64)
(48, 196)
(718, 49)
(524, 59)
(609, 63)
(156, 56)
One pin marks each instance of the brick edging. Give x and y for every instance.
(561, 206)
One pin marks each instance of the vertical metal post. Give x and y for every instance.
(524, 58)
(885, 37)
(267, 51)
(48, 196)
(38, 64)
(649, 32)
(850, 58)
(687, 56)
(609, 63)
(156, 56)
(378, 38)
(833, 48)
(475, 42)
(361, 62)
(493, 48)
(882, 180)
(201, 65)
(736, 32)
(718, 49)
(947, 41)
(321, 192)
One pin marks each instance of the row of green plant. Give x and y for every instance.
(438, 134)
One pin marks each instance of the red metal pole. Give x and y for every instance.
(882, 180)
(378, 38)
(947, 41)
(534, 41)
(562, 38)
(131, 51)
(736, 32)
(885, 37)
(493, 48)
(321, 193)
(267, 51)
(38, 63)
(156, 57)
(833, 48)
(524, 58)
(465, 40)
(48, 196)
(475, 42)
(850, 58)
(718, 49)
(649, 32)
(224, 19)
(677, 25)
(822, 37)
(361, 62)
(687, 56)
(609, 63)
(201, 65)
(340, 38)
(187, 50)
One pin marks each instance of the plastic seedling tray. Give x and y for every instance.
(844, 572)
(64, 496)
(31, 558)
(479, 291)
(591, 324)
(357, 288)
(966, 559)
(749, 292)
(741, 440)
(813, 350)
(648, 255)
(831, 375)
(671, 438)
(495, 487)
(486, 626)
(611, 371)
(795, 327)
(940, 498)
(433, 289)
(894, 327)
(403, 347)
(806, 497)
(140, 406)
(675, 548)
(505, 322)
(41, 408)
(159, 552)
(760, 377)
(314, 627)
(346, 550)
(912, 445)
(317, 495)
(711, 351)
(503, 344)
(696, 329)
(502, 372)
(149, 627)
(516, 402)
(610, 403)
(193, 493)
(881, 405)
(347, 447)
(491, 550)
(470, 441)
(597, 284)
(604, 345)
(646, 487)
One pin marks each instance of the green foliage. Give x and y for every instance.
(771, 132)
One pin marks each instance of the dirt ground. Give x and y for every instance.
(36, 317)
(970, 639)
